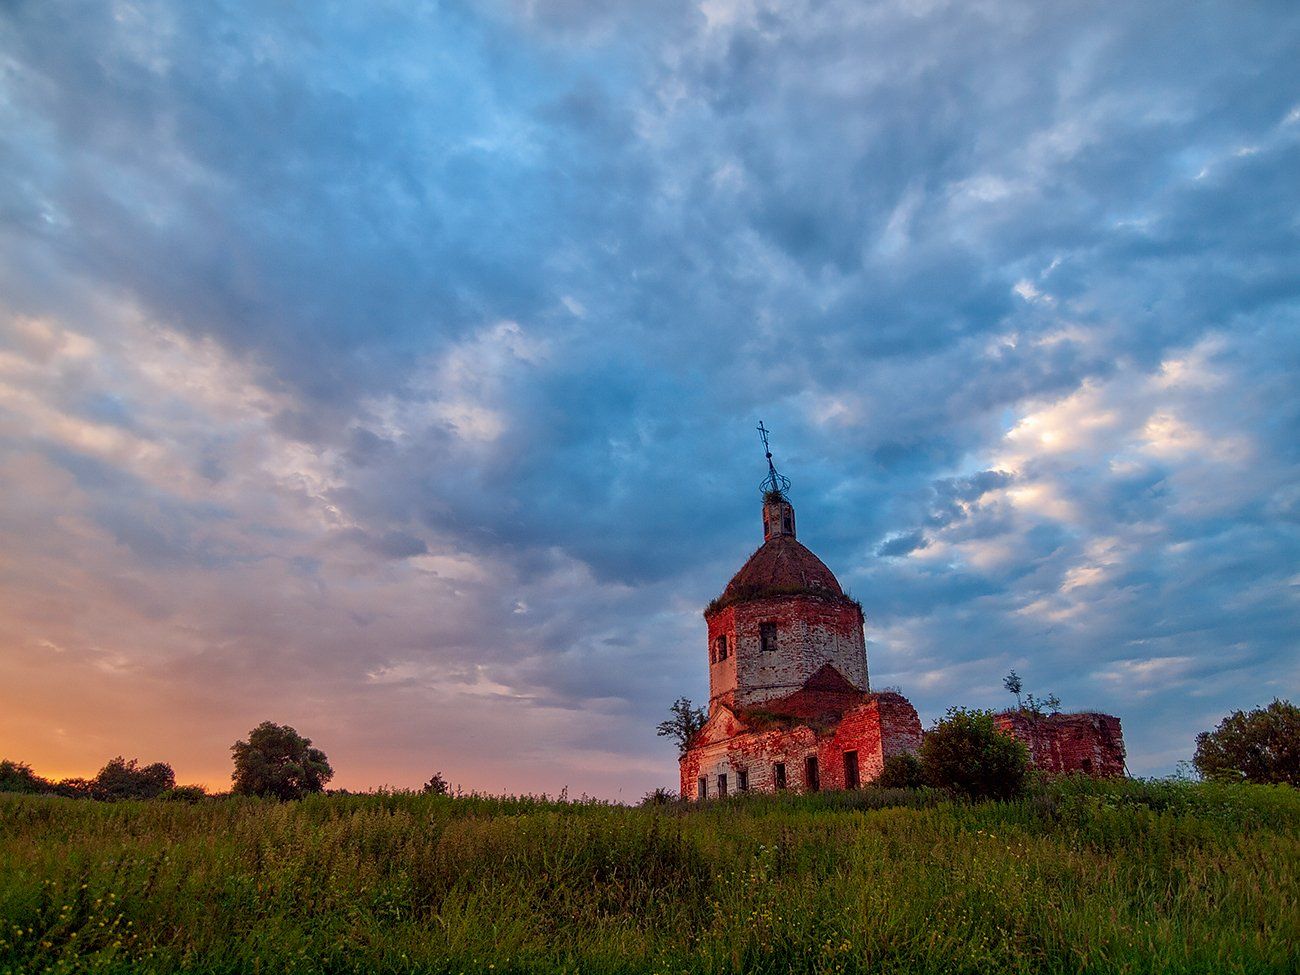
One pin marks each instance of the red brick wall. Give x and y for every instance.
(722, 674)
(1064, 744)
(884, 724)
(755, 752)
(810, 632)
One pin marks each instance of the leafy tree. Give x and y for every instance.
(967, 754)
(19, 777)
(684, 725)
(120, 779)
(278, 762)
(1013, 683)
(436, 786)
(1262, 745)
(901, 772)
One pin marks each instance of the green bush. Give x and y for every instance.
(660, 797)
(968, 755)
(902, 772)
(184, 793)
(1260, 746)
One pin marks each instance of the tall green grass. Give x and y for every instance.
(1080, 876)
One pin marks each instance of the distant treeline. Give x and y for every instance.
(119, 779)
(275, 761)
(964, 755)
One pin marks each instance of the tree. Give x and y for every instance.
(278, 762)
(1262, 745)
(1013, 683)
(19, 777)
(1033, 705)
(436, 786)
(684, 725)
(120, 779)
(967, 754)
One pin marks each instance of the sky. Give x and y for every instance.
(391, 370)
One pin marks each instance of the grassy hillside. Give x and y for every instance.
(1081, 876)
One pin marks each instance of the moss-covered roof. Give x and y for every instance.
(782, 566)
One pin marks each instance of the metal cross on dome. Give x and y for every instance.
(774, 483)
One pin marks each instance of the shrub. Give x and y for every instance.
(74, 788)
(659, 797)
(436, 786)
(901, 772)
(968, 755)
(184, 793)
(19, 777)
(1261, 746)
(120, 779)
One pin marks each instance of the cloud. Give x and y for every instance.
(328, 343)
(901, 545)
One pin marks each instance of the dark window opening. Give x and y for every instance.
(787, 524)
(720, 648)
(810, 780)
(1087, 764)
(767, 636)
(778, 774)
(851, 780)
(722, 785)
(704, 788)
(742, 780)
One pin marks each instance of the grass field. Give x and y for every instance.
(1079, 877)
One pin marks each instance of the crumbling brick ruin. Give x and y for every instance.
(790, 704)
(1068, 744)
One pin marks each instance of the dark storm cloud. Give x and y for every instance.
(410, 357)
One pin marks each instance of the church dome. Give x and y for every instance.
(782, 566)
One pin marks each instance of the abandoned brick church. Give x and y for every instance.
(790, 700)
